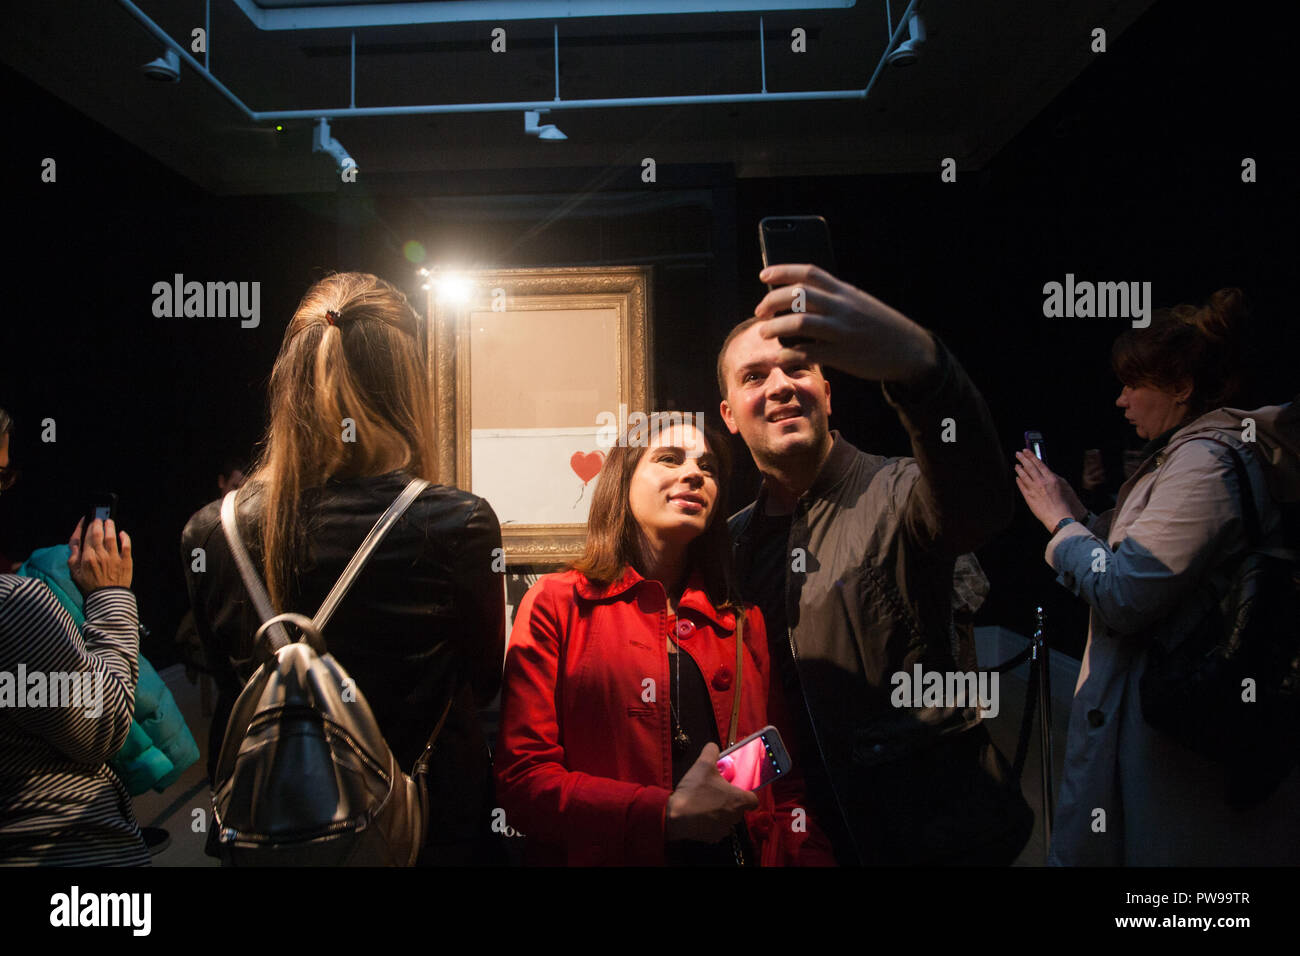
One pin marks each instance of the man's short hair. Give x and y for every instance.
(726, 344)
(6, 423)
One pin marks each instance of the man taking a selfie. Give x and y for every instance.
(851, 558)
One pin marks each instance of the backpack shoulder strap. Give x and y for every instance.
(368, 546)
(1249, 513)
(256, 589)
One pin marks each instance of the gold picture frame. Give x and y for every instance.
(541, 354)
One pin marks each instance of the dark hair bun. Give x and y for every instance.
(1223, 316)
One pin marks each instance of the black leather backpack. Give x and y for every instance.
(305, 777)
(1194, 691)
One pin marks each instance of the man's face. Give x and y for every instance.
(781, 410)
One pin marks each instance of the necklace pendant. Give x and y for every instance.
(681, 741)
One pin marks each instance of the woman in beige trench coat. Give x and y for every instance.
(1151, 569)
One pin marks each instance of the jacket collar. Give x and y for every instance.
(832, 472)
(834, 468)
(1158, 444)
(693, 596)
(1154, 454)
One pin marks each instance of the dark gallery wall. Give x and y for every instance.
(142, 406)
(1132, 174)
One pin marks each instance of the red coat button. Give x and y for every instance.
(722, 678)
(685, 629)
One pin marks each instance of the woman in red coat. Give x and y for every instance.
(621, 681)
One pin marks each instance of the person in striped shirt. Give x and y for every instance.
(66, 700)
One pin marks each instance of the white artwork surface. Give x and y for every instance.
(536, 475)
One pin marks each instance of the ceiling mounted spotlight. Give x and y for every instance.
(322, 142)
(165, 69)
(910, 48)
(549, 132)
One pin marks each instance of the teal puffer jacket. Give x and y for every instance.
(160, 746)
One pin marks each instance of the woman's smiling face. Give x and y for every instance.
(675, 486)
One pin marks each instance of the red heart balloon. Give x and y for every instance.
(587, 465)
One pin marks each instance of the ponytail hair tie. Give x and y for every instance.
(332, 317)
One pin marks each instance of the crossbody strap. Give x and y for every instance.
(257, 590)
(740, 670)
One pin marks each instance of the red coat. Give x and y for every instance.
(584, 761)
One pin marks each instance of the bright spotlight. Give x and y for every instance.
(454, 288)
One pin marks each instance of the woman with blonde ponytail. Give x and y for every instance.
(1153, 569)
(351, 423)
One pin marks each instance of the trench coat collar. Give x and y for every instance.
(1157, 444)
(693, 596)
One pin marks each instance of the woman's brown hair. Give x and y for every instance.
(348, 398)
(1204, 345)
(614, 539)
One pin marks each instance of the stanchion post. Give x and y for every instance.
(1040, 660)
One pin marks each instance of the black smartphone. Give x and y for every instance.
(103, 506)
(795, 239)
(756, 761)
(1034, 442)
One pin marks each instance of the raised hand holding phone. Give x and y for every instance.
(102, 507)
(1034, 442)
(1048, 495)
(796, 239)
(846, 328)
(99, 559)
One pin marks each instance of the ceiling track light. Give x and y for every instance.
(910, 48)
(322, 142)
(550, 132)
(165, 69)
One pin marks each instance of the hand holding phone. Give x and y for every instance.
(795, 240)
(1034, 442)
(102, 507)
(1048, 495)
(705, 807)
(850, 329)
(100, 555)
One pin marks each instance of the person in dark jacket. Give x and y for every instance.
(851, 557)
(351, 424)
